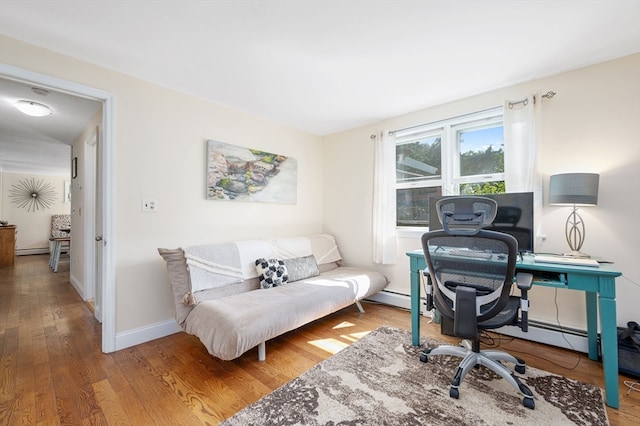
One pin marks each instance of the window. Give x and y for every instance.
(463, 155)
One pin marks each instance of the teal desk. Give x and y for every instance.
(600, 293)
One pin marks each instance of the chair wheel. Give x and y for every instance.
(529, 403)
(520, 369)
(424, 357)
(454, 393)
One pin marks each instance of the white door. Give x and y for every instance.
(88, 215)
(91, 211)
(98, 228)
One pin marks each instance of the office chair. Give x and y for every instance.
(470, 274)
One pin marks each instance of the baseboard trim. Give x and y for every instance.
(27, 252)
(538, 331)
(134, 337)
(392, 298)
(77, 285)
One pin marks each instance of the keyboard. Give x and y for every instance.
(566, 260)
(470, 253)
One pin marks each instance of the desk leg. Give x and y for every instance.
(592, 324)
(415, 303)
(609, 339)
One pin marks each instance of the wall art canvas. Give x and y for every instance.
(244, 174)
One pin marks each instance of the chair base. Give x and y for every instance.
(488, 358)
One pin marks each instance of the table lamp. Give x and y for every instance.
(575, 189)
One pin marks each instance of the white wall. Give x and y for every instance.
(33, 227)
(591, 125)
(160, 153)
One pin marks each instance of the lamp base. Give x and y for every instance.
(575, 232)
(577, 254)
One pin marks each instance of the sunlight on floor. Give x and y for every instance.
(333, 345)
(344, 324)
(330, 345)
(353, 337)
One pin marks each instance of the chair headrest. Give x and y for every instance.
(466, 215)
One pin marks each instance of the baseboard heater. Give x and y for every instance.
(539, 331)
(552, 334)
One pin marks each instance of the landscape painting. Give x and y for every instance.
(236, 173)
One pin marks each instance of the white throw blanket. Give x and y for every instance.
(217, 265)
(280, 248)
(213, 265)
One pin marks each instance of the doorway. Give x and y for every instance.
(102, 246)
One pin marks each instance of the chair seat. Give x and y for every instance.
(508, 316)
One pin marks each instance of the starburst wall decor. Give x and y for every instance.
(33, 195)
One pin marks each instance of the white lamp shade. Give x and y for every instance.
(574, 189)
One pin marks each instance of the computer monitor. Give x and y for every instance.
(514, 217)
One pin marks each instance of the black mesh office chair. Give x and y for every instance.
(471, 272)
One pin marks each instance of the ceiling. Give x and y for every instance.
(40, 145)
(324, 66)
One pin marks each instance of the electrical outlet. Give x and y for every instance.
(149, 205)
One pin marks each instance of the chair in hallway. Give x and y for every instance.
(60, 239)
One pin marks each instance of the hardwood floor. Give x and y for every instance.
(52, 370)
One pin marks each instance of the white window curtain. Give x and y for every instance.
(384, 199)
(522, 132)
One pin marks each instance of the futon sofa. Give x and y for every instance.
(235, 296)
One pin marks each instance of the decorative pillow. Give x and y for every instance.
(301, 268)
(271, 272)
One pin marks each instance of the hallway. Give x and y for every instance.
(46, 335)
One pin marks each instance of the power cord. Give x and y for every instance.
(630, 280)
(555, 301)
(495, 341)
(633, 386)
(490, 341)
(577, 363)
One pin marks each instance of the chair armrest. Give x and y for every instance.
(429, 291)
(524, 280)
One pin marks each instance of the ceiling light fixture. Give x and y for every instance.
(33, 109)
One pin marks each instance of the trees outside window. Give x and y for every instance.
(463, 155)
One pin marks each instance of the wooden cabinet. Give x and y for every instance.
(7, 245)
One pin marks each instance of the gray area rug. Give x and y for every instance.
(379, 380)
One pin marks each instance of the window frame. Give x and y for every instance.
(450, 176)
